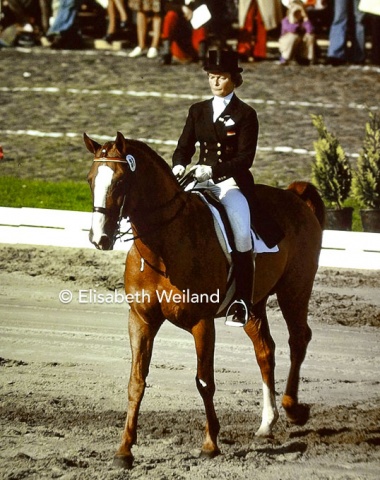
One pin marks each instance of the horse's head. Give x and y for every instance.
(108, 179)
(127, 178)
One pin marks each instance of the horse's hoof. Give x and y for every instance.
(298, 414)
(123, 461)
(209, 453)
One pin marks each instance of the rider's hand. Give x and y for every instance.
(178, 171)
(203, 173)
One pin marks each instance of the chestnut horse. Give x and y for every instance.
(176, 250)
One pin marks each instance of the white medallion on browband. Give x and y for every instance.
(131, 162)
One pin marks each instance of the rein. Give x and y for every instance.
(155, 228)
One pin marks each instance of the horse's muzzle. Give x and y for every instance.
(104, 243)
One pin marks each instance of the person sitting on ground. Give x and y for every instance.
(179, 38)
(26, 17)
(297, 40)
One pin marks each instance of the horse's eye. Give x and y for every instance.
(118, 183)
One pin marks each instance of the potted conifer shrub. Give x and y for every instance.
(332, 175)
(366, 181)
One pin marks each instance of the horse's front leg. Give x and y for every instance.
(204, 337)
(141, 334)
(258, 331)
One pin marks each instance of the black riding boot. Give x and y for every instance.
(244, 277)
(166, 57)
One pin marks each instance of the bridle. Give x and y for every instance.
(105, 210)
(110, 159)
(118, 234)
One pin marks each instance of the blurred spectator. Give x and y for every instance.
(117, 19)
(63, 33)
(256, 17)
(297, 40)
(144, 9)
(220, 28)
(21, 12)
(372, 9)
(338, 53)
(317, 11)
(26, 16)
(179, 38)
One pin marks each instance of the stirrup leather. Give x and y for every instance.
(234, 323)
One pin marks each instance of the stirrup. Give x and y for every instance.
(236, 323)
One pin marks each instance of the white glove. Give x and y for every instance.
(178, 171)
(203, 173)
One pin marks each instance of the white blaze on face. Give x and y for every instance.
(102, 183)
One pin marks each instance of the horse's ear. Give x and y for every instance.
(91, 145)
(121, 143)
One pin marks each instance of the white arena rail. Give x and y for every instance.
(61, 228)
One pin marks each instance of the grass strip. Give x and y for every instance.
(67, 195)
(70, 195)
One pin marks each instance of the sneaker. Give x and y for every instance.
(239, 312)
(136, 52)
(152, 52)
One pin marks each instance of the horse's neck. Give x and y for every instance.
(158, 207)
(166, 227)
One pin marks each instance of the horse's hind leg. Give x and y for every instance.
(141, 335)
(294, 306)
(204, 337)
(258, 331)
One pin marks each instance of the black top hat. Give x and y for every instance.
(222, 61)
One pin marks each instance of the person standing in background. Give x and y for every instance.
(372, 9)
(144, 8)
(256, 17)
(338, 53)
(117, 19)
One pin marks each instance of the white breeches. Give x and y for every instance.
(236, 207)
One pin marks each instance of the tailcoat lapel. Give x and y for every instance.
(209, 124)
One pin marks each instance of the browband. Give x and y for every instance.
(110, 159)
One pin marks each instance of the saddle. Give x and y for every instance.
(259, 245)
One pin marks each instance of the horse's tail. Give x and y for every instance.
(310, 195)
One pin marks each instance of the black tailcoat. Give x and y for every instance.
(229, 147)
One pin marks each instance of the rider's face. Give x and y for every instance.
(221, 84)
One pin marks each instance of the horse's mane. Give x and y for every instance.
(150, 152)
